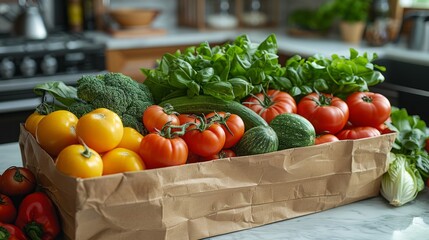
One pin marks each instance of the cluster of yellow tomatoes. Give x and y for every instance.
(94, 145)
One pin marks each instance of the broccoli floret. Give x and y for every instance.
(131, 121)
(80, 108)
(116, 92)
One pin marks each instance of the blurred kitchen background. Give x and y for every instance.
(48, 40)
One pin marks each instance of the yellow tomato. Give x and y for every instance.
(56, 131)
(32, 121)
(79, 161)
(120, 160)
(100, 129)
(131, 139)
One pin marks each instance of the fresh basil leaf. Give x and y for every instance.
(295, 91)
(204, 49)
(280, 83)
(205, 75)
(193, 89)
(269, 44)
(221, 89)
(256, 75)
(240, 87)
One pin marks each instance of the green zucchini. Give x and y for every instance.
(257, 140)
(203, 104)
(293, 130)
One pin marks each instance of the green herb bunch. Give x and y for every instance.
(231, 71)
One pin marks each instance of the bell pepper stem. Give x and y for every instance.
(34, 231)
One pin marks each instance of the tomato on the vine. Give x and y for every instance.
(79, 161)
(155, 117)
(358, 132)
(368, 109)
(17, 181)
(7, 209)
(100, 129)
(205, 139)
(270, 104)
(56, 131)
(327, 113)
(232, 125)
(325, 138)
(159, 150)
(187, 119)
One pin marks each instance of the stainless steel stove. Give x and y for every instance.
(26, 63)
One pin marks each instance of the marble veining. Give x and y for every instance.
(368, 219)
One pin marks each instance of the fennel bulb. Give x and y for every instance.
(402, 181)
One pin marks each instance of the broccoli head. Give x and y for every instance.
(114, 91)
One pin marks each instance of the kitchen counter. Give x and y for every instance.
(368, 219)
(287, 44)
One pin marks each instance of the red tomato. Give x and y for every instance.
(158, 151)
(384, 129)
(206, 139)
(327, 113)
(17, 181)
(232, 125)
(188, 118)
(269, 105)
(224, 153)
(7, 209)
(325, 138)
(368, 109)
(155, 117)
(358, 132)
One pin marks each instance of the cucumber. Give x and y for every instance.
(257, 140)
(206, 104)
(293, 130)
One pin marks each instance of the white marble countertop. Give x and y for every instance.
(368, 219)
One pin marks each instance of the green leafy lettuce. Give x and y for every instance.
(338, 75)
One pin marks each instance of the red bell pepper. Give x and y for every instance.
(37, 217)
(11, 232)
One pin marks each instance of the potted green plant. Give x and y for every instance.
(352, 15)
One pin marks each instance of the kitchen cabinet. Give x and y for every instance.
(130, 61)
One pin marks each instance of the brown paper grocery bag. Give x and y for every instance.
(206, 199)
